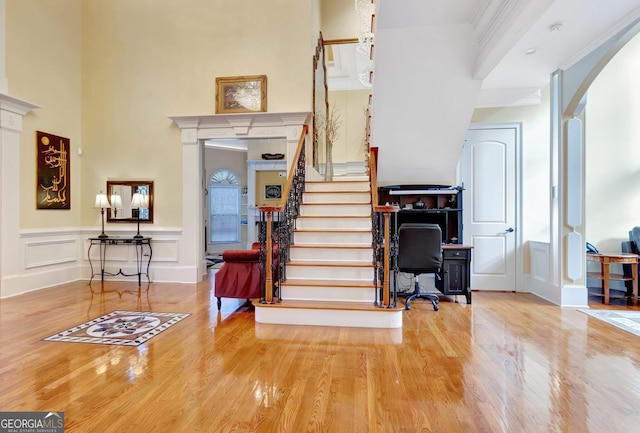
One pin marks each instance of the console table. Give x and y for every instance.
(140, 245)
(605, 260)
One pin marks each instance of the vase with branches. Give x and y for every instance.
(331, 126)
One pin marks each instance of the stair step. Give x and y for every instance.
(342, 185)
(335, 197)
(333, 237)
(331, 253)
(332, 221)
(335, 209)
(319, 270)
(352, 314)
(338, 290)
(332, 263)
(327, 283)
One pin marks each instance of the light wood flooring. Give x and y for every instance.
(508, 363)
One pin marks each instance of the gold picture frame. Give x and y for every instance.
(244, 94)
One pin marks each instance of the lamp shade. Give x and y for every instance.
(138, 201)
(116, 201)
(102, 201)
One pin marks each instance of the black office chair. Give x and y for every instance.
(420, 252)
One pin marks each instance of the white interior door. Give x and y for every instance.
(488, 172)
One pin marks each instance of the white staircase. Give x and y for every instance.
(330, 274)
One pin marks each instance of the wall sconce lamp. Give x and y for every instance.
(102, 203)
(139, 201)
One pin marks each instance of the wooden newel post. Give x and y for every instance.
(269, 261)
(386, 302)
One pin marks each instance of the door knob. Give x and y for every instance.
(509, 230)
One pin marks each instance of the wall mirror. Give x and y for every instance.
(348, 71)
(120, 193)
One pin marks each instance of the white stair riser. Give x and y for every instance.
(329, 272)
(335, 209)
(332, 238)
(337, 186)
(318, 293)
(332, 254)
(309, 316)
(328, 223)
(342, 197)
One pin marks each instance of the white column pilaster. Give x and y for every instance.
(192, 254)
(11, 257)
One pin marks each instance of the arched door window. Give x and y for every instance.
(224, 207)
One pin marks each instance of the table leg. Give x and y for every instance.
(605, 280)
(634, 275)
(103, 259)
(139, 262)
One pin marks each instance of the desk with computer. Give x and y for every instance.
(429, 226)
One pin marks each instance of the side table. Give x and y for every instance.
(605, 260)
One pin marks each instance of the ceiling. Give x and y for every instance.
(560, 32)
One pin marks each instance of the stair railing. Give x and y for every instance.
(384, 243)
(277, 225)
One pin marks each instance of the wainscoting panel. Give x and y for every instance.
(539, 265)
(48, 257)
(165, 250)
(539, 279)
(50, 252)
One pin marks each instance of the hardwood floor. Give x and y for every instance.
(508, 363)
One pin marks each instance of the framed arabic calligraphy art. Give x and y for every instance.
(246, 94)
(53, 184)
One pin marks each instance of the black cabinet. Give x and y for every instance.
(455, 274)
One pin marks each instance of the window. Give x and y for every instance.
(224, 206)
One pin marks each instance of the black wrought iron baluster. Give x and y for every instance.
(262, 238)
(393, 255)
(377, 240)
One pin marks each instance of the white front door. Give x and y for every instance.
(488, 173)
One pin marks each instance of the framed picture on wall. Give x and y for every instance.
(244, 94)
(53, 183)
(272, 191)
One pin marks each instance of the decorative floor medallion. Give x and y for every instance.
(627, 320)
(120, 328)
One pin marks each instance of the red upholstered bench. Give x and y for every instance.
(239, 276)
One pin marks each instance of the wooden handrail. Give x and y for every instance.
(287, 186)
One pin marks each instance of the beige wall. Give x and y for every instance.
(108, 73)
(612, 155)
(271, 145)
(339, 19)
(44, 67)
